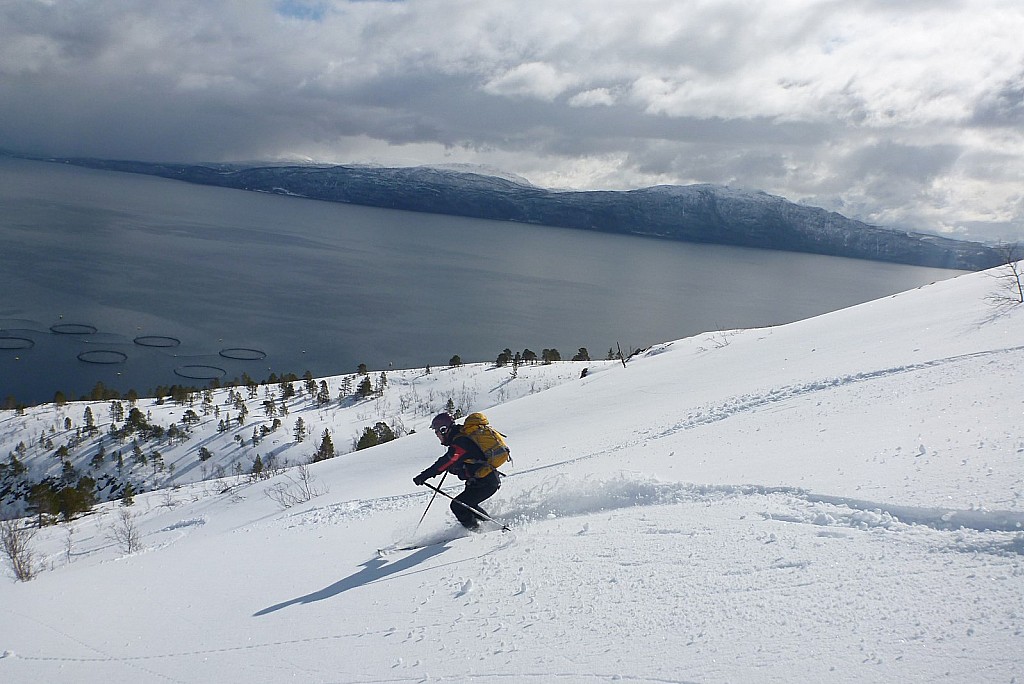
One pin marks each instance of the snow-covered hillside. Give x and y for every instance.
(200, 435)
(839, 499)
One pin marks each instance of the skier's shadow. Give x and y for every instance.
(373, 570)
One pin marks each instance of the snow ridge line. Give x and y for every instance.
(747, 403)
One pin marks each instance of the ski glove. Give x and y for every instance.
(420, 479)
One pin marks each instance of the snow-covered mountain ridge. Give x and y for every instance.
(838, 499)
(694, 213)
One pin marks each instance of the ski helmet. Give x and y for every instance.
(441, 422)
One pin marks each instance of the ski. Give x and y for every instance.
(405, 547)
(395, 548)
(435, 541)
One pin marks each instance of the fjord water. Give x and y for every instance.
(139, 282)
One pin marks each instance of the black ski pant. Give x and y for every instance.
(476, 490)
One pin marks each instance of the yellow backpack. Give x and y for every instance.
(490, 441)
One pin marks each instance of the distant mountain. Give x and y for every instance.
(693, 213)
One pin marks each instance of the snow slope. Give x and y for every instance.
(839, 499)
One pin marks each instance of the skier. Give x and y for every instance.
(460, 449)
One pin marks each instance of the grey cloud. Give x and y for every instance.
(1004, 107)
(908, 163)
(782, 96)
(79, 34)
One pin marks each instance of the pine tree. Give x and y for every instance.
(137, 455)
(378, 434)
(384, 432)
(207, 402)
(368, 439)
(323, 395)
(300, 431)
(128, 495)
(98, 459)
(582, 355)
(550, 356)
(257, 468)
(326, 448)
(287, 390)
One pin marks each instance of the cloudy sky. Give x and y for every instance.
(905, 113)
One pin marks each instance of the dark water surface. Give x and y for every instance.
(137, 281)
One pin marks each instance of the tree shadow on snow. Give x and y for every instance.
(373, 570)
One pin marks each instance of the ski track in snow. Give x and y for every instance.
(753, 402)
(563, 496)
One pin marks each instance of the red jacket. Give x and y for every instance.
(462, 459)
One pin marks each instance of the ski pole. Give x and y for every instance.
(429, 504)
(477, 511)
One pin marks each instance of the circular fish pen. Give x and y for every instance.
(73, 329)
(200, 372)
(243, 354)
(103, 356)
(14, 343)
(161, 341)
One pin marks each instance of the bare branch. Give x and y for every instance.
(125, 533)
(15, 543)
(1011, 275)
(297, 490)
